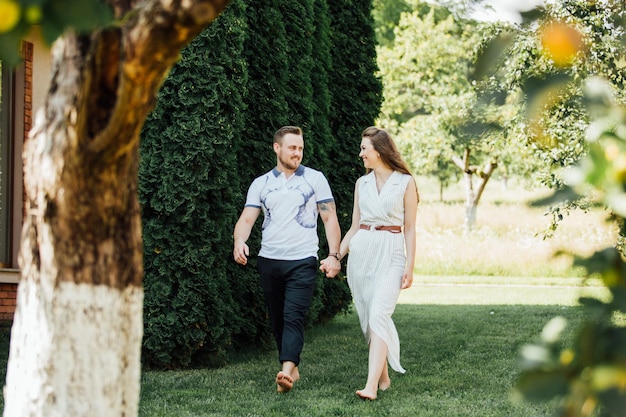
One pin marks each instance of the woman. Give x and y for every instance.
(381, 243)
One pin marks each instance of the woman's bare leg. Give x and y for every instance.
(376, 362)
(384, 382)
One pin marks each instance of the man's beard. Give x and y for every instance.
(289, 163)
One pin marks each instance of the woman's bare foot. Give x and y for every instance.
(364, 394)
(384, 385)
(384, 382)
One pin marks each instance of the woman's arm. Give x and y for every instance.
(411, 199)
(354, 227)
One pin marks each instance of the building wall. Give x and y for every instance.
(32, 79)
(8, 295)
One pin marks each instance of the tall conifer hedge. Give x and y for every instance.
(262, 64)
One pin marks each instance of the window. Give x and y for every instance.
(6, 165)
(16, 107)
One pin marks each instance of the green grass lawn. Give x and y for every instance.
(461, 357)
(460, 339)
(462, 360)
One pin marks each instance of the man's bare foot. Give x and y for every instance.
(366, 395)
(284, 382)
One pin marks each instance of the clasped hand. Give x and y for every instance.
(330, 266)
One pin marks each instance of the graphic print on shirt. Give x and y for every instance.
(306, 217)
(273, 200)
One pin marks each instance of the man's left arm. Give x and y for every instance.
(328, 214)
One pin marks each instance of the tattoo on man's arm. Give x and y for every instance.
(328, 206)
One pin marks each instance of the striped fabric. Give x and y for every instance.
(377, 259)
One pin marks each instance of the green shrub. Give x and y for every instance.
(260, 66)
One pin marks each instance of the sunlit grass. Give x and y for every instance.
(481, 290)
(509, 237)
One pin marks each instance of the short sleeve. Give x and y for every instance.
(323, 193)
(253, 199)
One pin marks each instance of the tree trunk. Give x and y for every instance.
(473, 197)
(470, 215)
(441, 187)
(470, 202)
(76, 337)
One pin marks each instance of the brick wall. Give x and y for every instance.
(8, 295)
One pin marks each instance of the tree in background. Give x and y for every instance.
(76, 336)
(423, 74)
(432, 108)
(430, 157)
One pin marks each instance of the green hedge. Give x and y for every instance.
(260, 65)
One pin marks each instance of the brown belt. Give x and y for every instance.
(392, 229)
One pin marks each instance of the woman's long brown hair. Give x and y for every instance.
(386, 147)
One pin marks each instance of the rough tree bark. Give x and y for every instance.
(76, 337)
(472, 197)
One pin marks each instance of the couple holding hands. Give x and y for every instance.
(381, 243)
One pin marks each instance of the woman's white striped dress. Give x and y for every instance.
(377, 259)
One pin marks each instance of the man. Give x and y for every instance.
(291, 197)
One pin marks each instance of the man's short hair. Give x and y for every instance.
(280, 133)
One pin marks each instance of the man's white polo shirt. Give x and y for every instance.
(290, 211)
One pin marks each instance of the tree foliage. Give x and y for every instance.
(432, 107)
(589, 374)
(576, 113)
(52, 16)
(547, 63)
